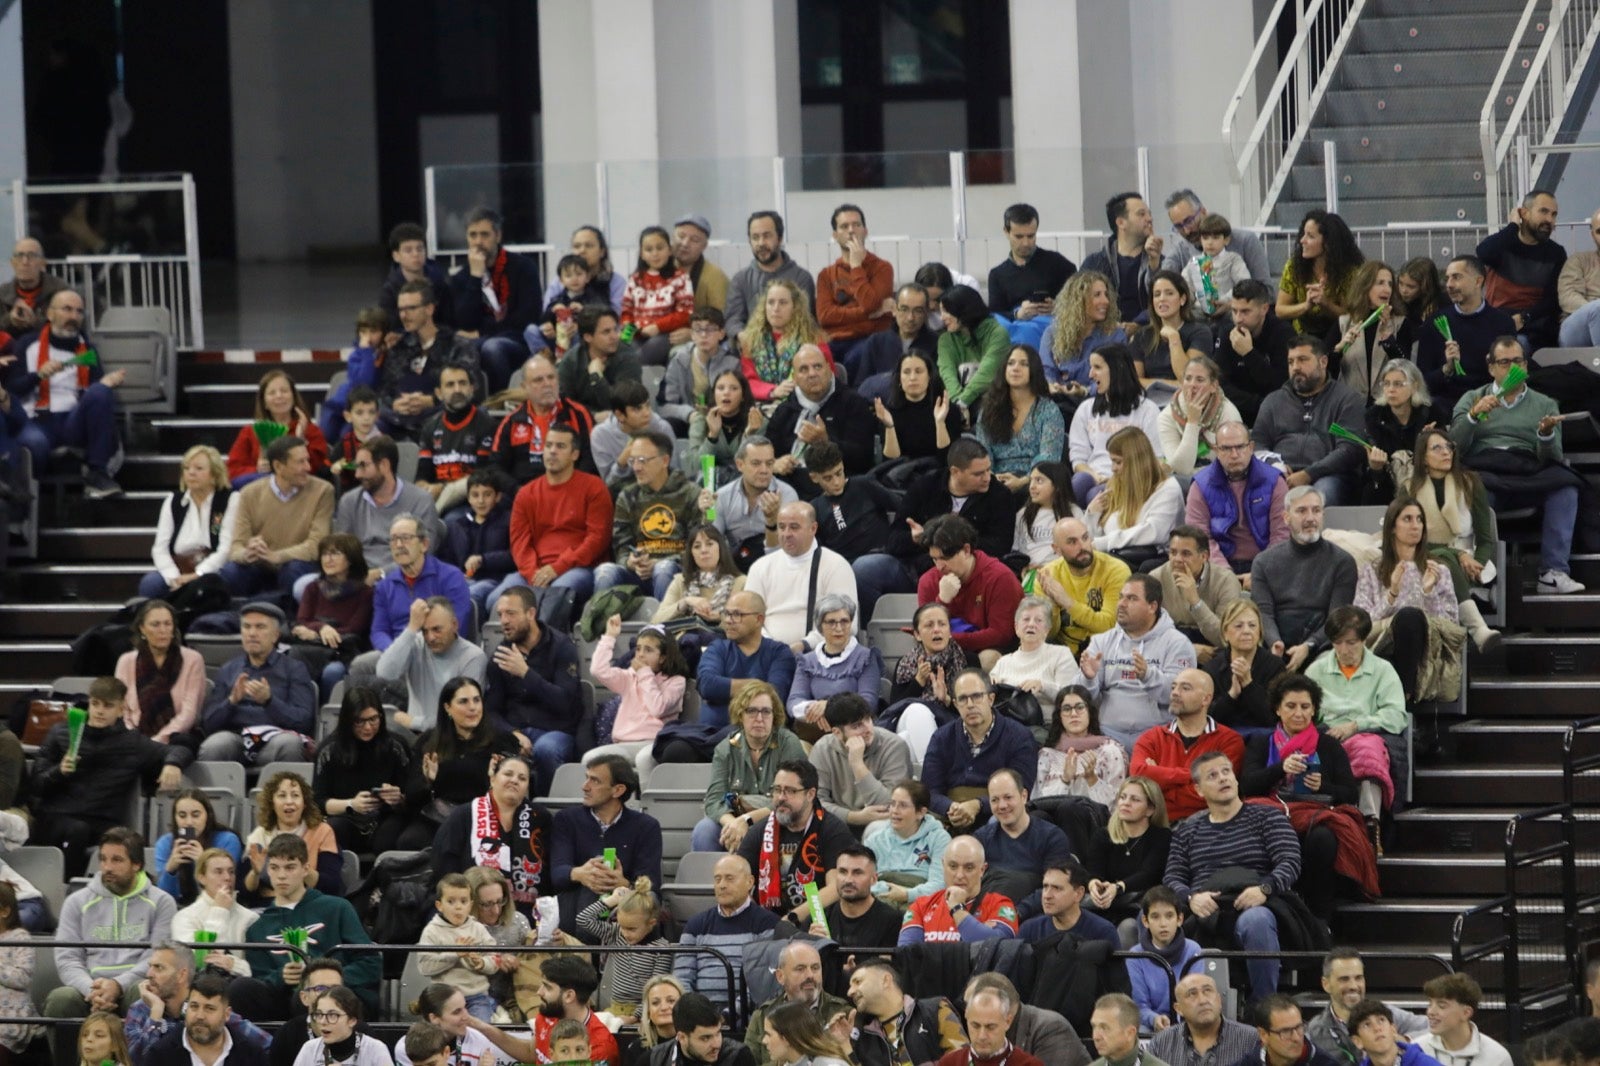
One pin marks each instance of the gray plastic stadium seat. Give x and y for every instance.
(1359, 519)
(566, 790)
(690, 890)
(45, 868)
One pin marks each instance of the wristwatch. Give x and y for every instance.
(1266, 888)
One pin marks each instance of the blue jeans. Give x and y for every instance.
(1256, 929)
(1581, 329)
(1560, 517)
(248, 579)
(551, 748)
(481, 1006)
(878, 575)
(499, 356)
(1086, 488)
(1335, 490)
(92, 426)
(610, 575)
(707, 836)
(579, 579)
(153, 586)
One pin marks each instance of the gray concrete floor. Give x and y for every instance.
(285, 305)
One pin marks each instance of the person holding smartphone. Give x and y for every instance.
(1024, 286)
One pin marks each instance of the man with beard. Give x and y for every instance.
(892, 1029)
(162, 995)
(1164, 753)
(1454, 366)
(496, 297)
(698, 1040)
(599, 361)
(455, 441)
(411, 372)
(24, 298)
(1186, 212)
(531, 683)
(988, 1019)
(1082, 583)
(1232, 836)
(1295, 423)
(1344, 979)
(1202, 1037)
(769, 261)
(796, 845)
(1253, 356)
(519, 440)
(368, 511)
(560, 522)
(821, 408)
(1237, 501)
(799, 975)
(1297, 583)
(1132, 254)
(1524, 264)
(568, 982)
(281, 521)
(1196, 592)
(426, 655)
(206, 1038)
(858, 762)
(858, 919)
(960, 912)
(67, 395)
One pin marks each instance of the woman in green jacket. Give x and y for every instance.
(970, 336)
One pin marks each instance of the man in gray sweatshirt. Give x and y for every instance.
(1297, 583)
(427, 654)
(1130, 668)
(1295, 423)
(745, 289)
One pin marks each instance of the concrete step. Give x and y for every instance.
(193, 371)
(1444, 874)
(46, 582)
(151, 471)
(1400, 920)
(1578, 611)
(43, 621)
(1409, 69)
(1414, 8)
(1454, 178)
(1389, 105)
(1424, 31)
(111, 543)
(1516, 787)
(1571, 696)
(238, 399)
(1561, 654)
(179, 434)
(37, 661)
(1465, 831)
(1514, 741)
(1381, 212)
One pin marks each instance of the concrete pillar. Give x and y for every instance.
(13, 118)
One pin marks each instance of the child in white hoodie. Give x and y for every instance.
(454, 925)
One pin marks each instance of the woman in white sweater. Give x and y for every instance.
(217, 911)
(1141, 502)
(1036, 667)
(1118, 402)
(1188, 425)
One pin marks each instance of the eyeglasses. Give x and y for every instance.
(491, 904)
(778, 791)
(1288, 1031)
(833, 622)
(369, 719)
(318, 990)
(328, 1015)
(1514, 361)
(759, 712)
(1441, 446)
(736, 616)
(402, 538)
(640, 460)
(27, 255)
(972, 697)
(1189, 222)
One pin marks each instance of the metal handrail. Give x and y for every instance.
(1316, 957)
(1539, 105)
(1313, 43)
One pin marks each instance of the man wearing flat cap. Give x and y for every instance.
(690, 234)
(263, 707)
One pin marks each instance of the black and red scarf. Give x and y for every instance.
(42, 356)
(769, 888)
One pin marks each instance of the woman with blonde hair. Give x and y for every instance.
(1359, 348)
(1129, 855)
(1083, 320)
(780, 324)
(1188, 425)
(1242, 669)
(743, 766)
(1134, 516)
(101, 1041)
(194, 528)
(661, 994)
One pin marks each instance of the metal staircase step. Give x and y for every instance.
(1463, 178)
(1428, 32)
(194, 371)
(1518, 787)
(1409, 69)
(1569, 696)
(1403, 143)
(39, 661)
(39, 582)
(1514, 740)
(179, 434)
(119, 543)
(1396, 106)
(40, 621)
(1380, 212)
(238, 399)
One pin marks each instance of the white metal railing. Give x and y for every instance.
(1262, 152)
(1540, 93)
(120, 278)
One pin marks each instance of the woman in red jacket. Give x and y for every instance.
(277, 402)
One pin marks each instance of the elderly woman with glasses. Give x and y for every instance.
(840, 664)
(743, 767)
(1403, 409)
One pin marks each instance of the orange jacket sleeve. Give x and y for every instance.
(846, 296)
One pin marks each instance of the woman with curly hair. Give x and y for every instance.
(1018, 423)
(1360, 349)
(780, 324)
(284, 804)
(1081, 322)
(1311, 293)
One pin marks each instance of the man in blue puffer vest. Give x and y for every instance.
(1238, 500)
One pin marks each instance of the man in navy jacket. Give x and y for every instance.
(496, 298)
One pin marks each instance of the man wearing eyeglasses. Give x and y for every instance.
(1282, 1032)
(880, 353)
(652, 519)
(417, 575)
(744, 658)
(1512, 438)
(964, 754)
(1455, 359)
(1186, 212)
(1238, 500)
(28, 292)
(798, 844)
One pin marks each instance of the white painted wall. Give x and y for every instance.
(305, 139)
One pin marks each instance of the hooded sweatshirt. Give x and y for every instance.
(1129, 705)
(332, 926)
(923, 853)
(127, 925)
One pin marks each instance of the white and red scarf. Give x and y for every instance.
(517, 852)
(769, 888)
(43, 356)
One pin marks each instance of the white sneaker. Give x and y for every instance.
(1554, 581)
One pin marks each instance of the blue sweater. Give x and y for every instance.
(1149, 980)
(710, 928)
(392, 599)
(1040, 846)
(1090, 927)
(168, 882)
(950, 763)
(576, 837)
(723, 663)
(292, 705)
(490, 538)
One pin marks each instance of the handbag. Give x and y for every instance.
(1019, 705)
(42, 716)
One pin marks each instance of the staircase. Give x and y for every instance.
(1402, 112)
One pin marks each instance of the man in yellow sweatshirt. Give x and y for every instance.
(1082, 583)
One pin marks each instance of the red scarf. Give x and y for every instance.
(1283, 745)
(496, 278)
(769, 890)
(517, 852)
(42, 356)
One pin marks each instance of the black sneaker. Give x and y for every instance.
(98, 485)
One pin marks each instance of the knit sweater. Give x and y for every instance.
(888, 761)
(425, 672)
(1579, 281)
(1219, 588)
(1258, 838)
(186, 692)
(1296, 586)
(783, 580)
(987, 602)
(1514, 427)
(293, 527)
(649, 699)
(368, 521)
(859, 672)
(951, 763)
(1372, 698)
(728, 934)
(576, 836)
(1153, 524)
(244, 457)
(652, 300)
(1475, 333)
(1093, 595)
(1052, 665)
(921, 854)
(561, 526)
(847, 296)
(1283, 426)
(394, 595)
(231, 925)
(1522, 278)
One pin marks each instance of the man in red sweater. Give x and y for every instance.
(560, 523)
(855, 293)
(1165, 752)
(981, 591)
